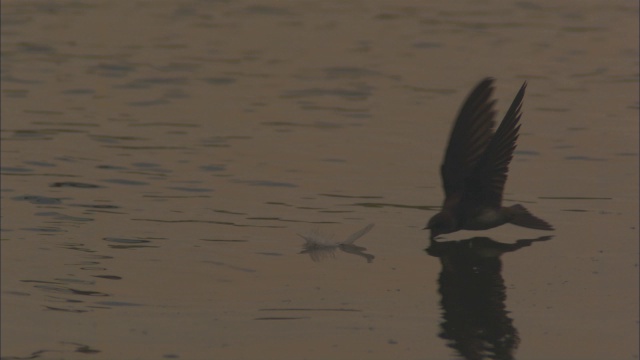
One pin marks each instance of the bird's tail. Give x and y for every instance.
(522, 217)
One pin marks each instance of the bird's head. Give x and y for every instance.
(441, 223)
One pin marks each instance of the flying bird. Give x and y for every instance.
(475, 168)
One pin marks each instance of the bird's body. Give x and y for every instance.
(475, 168)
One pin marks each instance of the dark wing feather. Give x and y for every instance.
(486, 184)
(470, 137)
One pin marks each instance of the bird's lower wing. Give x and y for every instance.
(486, 183)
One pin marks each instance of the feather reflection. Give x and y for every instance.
(475, 321)
(320, 246)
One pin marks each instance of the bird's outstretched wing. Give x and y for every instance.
(486, 183)
(469, 139)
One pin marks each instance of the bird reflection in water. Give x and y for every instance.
(320, 246)
(475, 320)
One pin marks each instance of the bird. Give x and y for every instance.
(475, 167)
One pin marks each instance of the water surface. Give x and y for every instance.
(159, 162)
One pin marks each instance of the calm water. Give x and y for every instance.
(160, 160)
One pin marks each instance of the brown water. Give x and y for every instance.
(160, 158)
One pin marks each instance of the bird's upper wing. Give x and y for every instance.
(486, 183)
(470, 137)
